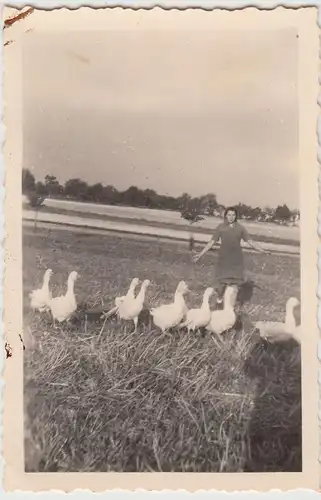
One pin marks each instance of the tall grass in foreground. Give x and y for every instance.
(123, 401)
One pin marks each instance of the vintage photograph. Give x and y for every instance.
(161, 219)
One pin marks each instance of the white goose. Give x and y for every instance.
(198, 318)
(223, 320)
(40, 298)
(131, 309)
(64, 306)
(274, 331)
(170, 315)
(296, 334)
(130, 295)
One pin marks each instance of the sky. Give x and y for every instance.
(195, 111)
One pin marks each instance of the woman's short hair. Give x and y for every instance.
(231, 209)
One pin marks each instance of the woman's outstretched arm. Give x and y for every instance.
(251, 243)
(207, 247)
(257, 247)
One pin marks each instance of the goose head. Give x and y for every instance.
(48, 274)
(208, 292)
(182, 287)
(134, 282)
(73, 276)
(145, 284)
(292, 302)
(46, 277)
(142, 291)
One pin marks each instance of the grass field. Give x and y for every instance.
(113, 400)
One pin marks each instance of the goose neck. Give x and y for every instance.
(178, 298)
(289, 316)
(228, 306)
(46, 280)
(205, 302)
(229, 299)
(142, 292)
(70, 286)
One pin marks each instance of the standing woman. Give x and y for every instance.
(230, 266)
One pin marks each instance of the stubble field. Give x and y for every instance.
(102, 398)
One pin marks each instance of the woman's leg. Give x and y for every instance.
(235, 294)
(220, 290)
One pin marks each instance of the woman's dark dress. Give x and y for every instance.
(230, 266)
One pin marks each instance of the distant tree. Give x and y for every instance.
(193, 213)
(28, 181)
(296, 216)
(255, 213)
(76, 188)
(133, 197)
(243, 210)
(35, 200)
(184, 200)
(96, 192)
(41, 189)
(268, 210)
(268, 213)
(296, 213)
(52, 185)
(166, 202)
(151, 198)
(219, 211)
(111, 196)
(209, 203)
(283, 213)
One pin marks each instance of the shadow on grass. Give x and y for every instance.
(275, 427)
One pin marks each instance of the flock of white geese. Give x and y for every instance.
(166, 316)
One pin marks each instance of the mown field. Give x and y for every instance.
(108, 399)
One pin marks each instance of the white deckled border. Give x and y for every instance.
(170, 4)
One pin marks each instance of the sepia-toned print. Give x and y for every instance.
(168, 187)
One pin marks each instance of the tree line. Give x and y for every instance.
(191, 208)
